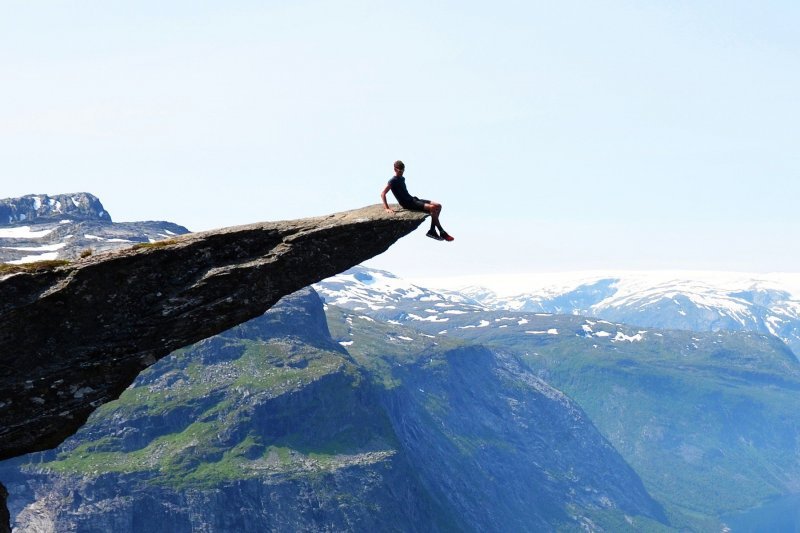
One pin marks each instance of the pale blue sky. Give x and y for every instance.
(558, 135)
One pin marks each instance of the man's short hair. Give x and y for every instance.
(399, 165)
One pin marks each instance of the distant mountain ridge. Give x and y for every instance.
(710, 302)
(708, 419)
(41, 207)
(39, 227)
(693, 301)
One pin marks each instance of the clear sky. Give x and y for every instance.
(559, 135)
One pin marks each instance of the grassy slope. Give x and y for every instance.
(299, 421)
(215, 398)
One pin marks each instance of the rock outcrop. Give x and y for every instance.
(74, 337)
(76, 206)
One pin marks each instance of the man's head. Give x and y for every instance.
(399, 167)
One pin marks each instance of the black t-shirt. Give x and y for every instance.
(398, 185)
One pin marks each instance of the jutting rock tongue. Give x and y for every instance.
(74, 337)
(37, 207)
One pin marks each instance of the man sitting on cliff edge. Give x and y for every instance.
(398, 187)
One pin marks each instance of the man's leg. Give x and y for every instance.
(435, 210)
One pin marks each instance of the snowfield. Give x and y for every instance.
(23, 232)
(684, 300)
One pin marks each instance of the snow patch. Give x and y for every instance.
(49, 256)
(412, 316)
(630, 338)
(23, 232)
(482, 324)
(44, 248)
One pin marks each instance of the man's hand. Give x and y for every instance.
(389, 209)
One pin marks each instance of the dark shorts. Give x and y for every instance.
(417, 204)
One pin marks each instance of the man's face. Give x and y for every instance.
(398, 170)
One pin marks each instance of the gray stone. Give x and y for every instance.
(40, 207)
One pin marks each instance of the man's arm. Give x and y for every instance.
(383, 198)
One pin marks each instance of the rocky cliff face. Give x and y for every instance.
(41, 207)
(75, 336)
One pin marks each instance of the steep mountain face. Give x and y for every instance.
(274, 426)
(709, 301)
(507, 451)
(706, 419)
(42, 228)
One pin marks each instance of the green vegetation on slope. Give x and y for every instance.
(235, 419)
(708, 420)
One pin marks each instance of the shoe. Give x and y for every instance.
(433, 235)
(446, 236)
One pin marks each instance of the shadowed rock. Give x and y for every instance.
(75, 337)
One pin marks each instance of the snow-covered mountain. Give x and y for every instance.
(693, 301)
(696, 301)
(385, 296)
(39, 227)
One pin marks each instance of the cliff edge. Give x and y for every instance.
(75, 336)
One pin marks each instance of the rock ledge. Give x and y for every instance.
(75, 337)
